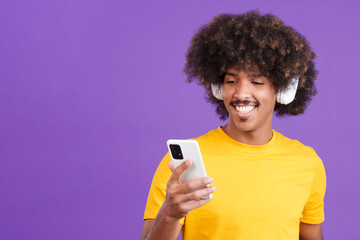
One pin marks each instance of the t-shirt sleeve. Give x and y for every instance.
(313, 212)
(157, 191)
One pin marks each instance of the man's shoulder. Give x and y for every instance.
(210, 135)
(294, 145)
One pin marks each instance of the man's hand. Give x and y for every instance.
(181, 197)
(179, 201)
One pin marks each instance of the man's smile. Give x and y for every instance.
(244, 108)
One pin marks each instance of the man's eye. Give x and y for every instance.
(257, 83)
(230, 81)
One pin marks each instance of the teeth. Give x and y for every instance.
(244, 109)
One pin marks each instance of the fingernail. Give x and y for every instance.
(188, 162)
(208, 180)
(213, 188)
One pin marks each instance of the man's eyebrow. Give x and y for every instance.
(255, 75)
(230, 74)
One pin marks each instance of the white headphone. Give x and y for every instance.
(285, 96)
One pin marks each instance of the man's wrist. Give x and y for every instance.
(166, 217)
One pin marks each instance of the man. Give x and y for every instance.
(264, 185)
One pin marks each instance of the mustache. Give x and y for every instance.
(245, 102)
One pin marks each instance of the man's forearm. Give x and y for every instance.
(163, 228)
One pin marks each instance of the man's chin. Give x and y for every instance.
(243, 120)
(244, 126)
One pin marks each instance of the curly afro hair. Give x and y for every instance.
(252, 40)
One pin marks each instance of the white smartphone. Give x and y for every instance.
(181, 150)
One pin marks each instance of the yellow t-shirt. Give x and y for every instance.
(263, 192)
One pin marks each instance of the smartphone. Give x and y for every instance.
(181, 150)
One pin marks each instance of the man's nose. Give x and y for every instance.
(242, 90)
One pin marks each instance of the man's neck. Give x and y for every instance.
(256, 137)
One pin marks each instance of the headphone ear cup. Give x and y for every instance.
(217, 91)
(287, 95)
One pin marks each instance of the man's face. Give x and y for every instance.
(249, 98)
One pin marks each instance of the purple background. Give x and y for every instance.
(91, 90)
